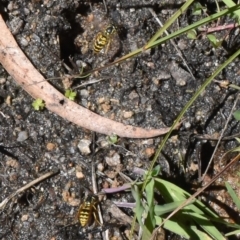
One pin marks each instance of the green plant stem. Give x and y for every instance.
(194, 25)
(205, 84)
(166, 38)
(169, 23)
(186, 107)
(234, 86)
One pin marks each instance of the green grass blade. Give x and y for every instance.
(169, 22)
(230, 3)
(187, 106)
(207, 226)
(185, 227)
(139, 208)
(194, 97)
(236, 232)
(166, 38)
(150, 220)
(175, 34)
(173, 226)
(233, 195)
(160, 210)
(194, 25)
(173, 193)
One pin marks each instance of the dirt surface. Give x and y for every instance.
(147, 91)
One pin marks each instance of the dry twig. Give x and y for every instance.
(27, 186)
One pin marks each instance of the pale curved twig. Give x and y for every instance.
(24, 73)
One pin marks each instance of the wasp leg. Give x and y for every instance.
(95, 213)
(107, 47)
(109, 43)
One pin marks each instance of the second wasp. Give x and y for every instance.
(87, 211)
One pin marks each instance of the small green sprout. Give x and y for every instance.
(38, 104)
(112, 139)
(71, 95)
(198, 9)
(214, 41)
(236, 115)
(192, 34)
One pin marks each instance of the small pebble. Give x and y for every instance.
(128, 114)
(106, 107)
(22, 136)
(26, 11)
(182, 44)
(24, 42)
(9, 100)
(148, 141)
(73, 202)
(100, 167)
(79, 173)
(104, 143)
(84, 146)
(12, 163)
(24, 217)
(51, 146)
(148, 152)
(10, 6)
(111, 174)
(105, 184)
(133, 95)
(114, 160)
(187, 125)
(2, 80)
(101, 100)
(84, 93)
(181, 82)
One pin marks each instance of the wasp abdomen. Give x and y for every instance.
(87, 210)
(100, 42)
(85, 214)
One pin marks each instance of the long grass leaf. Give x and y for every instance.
(169, 22)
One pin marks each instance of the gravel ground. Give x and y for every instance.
(147, 91)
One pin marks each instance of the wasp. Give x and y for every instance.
(103, 39)
(88, 210)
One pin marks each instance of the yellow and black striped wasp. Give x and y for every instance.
(88, 211)
(104, 38)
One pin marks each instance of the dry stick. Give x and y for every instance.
(212, 138)
(220, 138)
(94, 185)
(105, 235)
(24, 73)
(27, 186)
(89, 82)
(95, 190)
(218, 28)
(189, 200)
